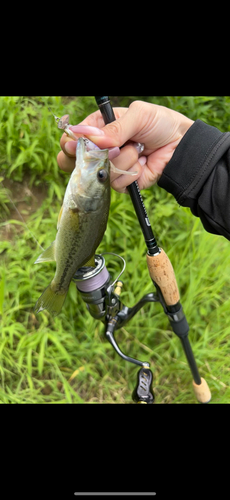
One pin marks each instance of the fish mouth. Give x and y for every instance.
(81, 150)
(94, 154)
(81, 142)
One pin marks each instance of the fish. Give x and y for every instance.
(82, 222)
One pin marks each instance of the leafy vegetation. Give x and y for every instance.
(67, 359)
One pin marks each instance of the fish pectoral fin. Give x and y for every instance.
(91, 262)
(48, 255)
(72, 204)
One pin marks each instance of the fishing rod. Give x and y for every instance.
(102, 297)
(163, 277)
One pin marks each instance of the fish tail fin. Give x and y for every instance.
(51, 301)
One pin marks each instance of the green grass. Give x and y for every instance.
(67, 359)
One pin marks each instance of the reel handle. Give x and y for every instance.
(143, 392)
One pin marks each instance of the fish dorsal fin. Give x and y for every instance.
(59, 218)
(48, 255)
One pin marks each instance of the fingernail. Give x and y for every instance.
(87, 130)
(139, 147)
(142, 160)
(113, 153)
(70, 147)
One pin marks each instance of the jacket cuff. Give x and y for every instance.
(192, 162)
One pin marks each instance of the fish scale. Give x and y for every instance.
(79, 253)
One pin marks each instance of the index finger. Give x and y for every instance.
(93, 120)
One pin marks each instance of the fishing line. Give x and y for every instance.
(124, 265)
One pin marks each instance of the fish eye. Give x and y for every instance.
(102, 175)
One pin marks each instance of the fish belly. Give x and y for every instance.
(76, 242)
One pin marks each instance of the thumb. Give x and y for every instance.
(114, 134)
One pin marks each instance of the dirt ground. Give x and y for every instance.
(27, 201)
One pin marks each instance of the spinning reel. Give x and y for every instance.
(103, 302)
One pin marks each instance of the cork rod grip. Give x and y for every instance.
(202, 391)
(162, 273)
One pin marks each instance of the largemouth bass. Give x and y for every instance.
(81, 224)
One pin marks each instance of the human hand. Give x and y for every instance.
(160, 129)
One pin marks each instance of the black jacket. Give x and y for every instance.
(198, 176)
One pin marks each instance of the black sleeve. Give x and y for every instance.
(198, 176)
